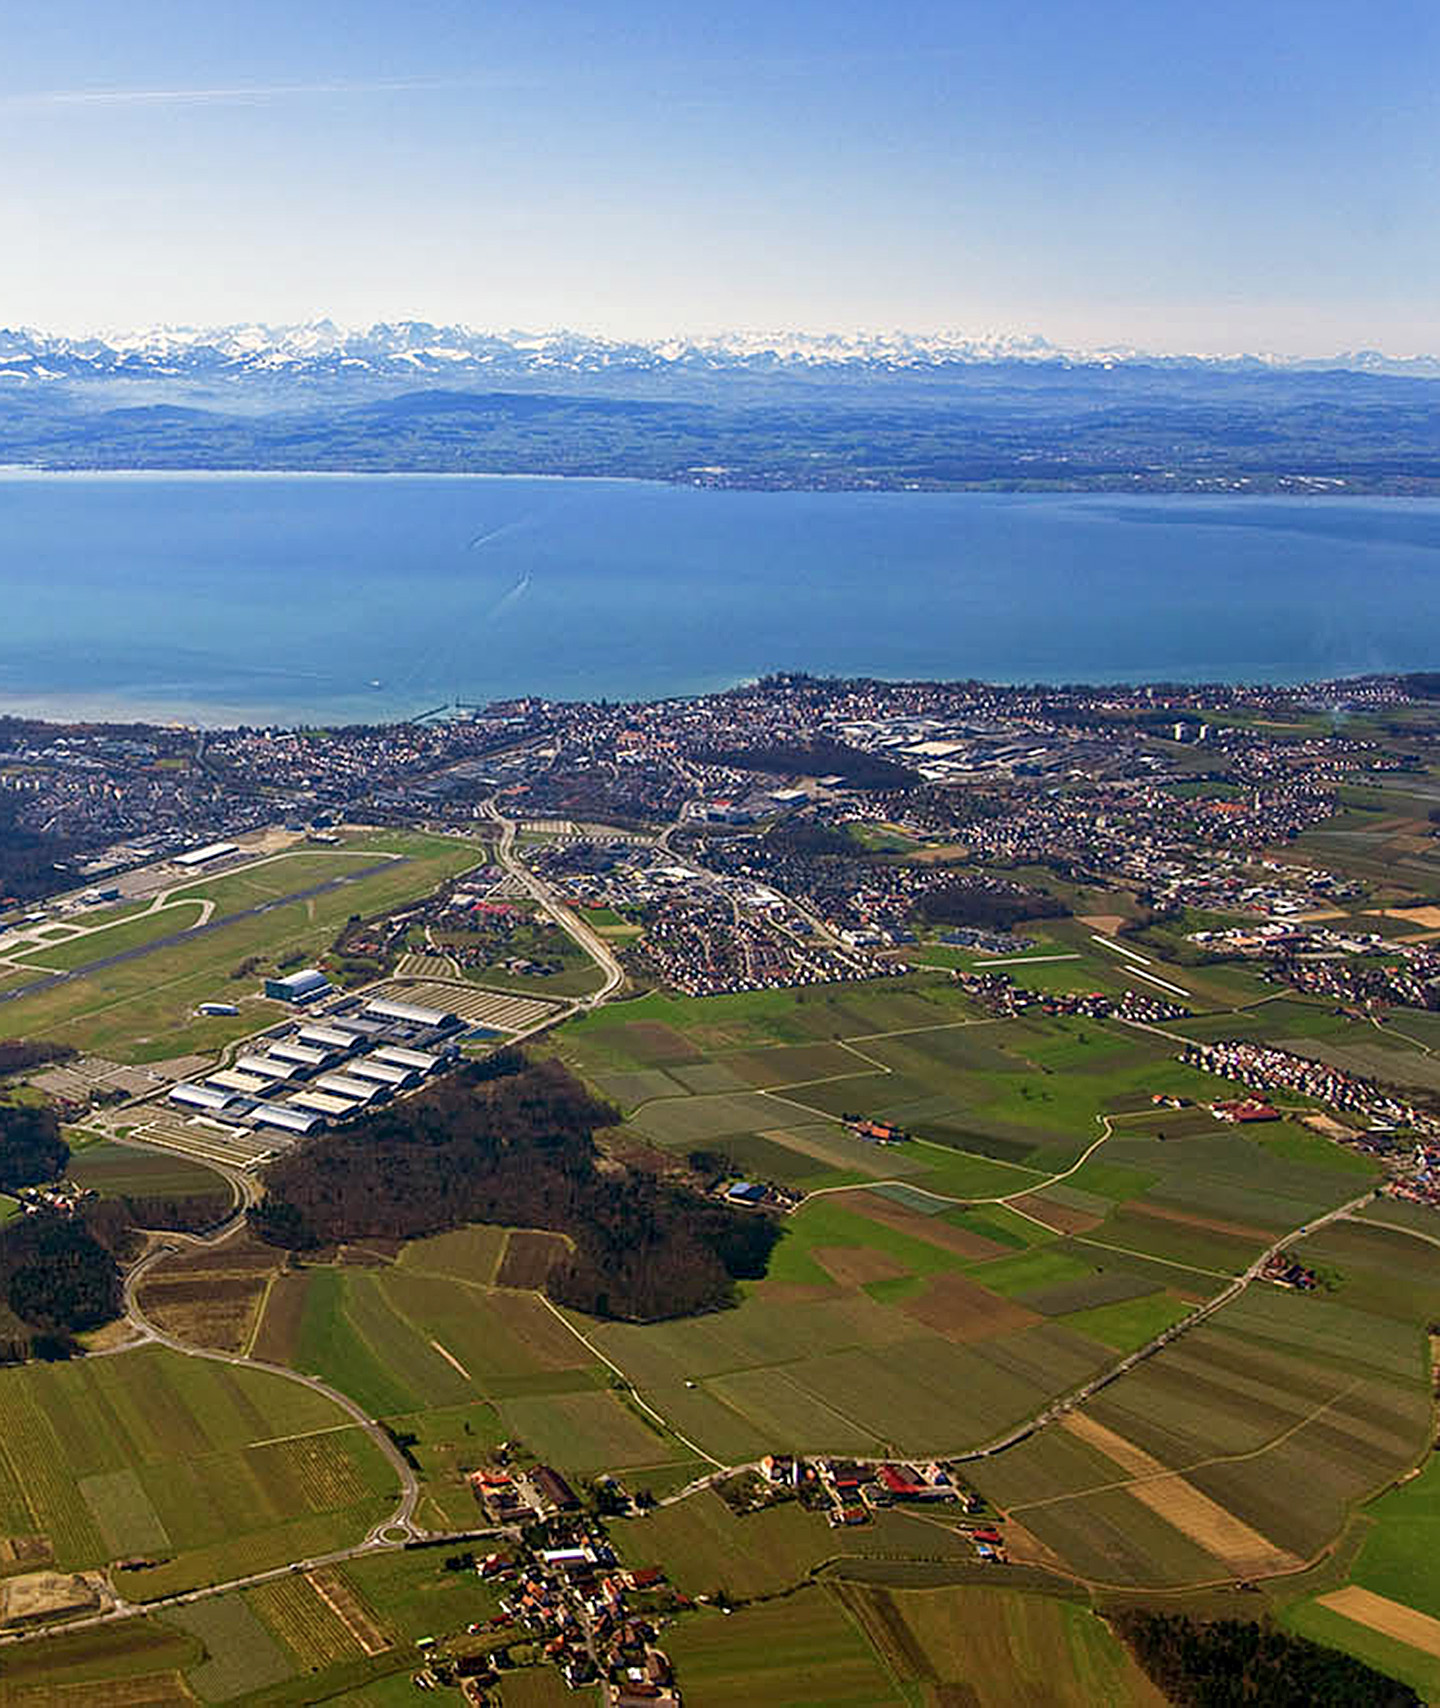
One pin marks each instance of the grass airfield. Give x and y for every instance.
(143, 1008)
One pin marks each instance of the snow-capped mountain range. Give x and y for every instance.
(425, 350)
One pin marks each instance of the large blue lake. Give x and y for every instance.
(313, 598)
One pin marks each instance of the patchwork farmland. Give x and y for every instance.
(202, 1470)
(1061, 1200)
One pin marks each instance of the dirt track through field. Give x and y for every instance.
(1389, 1618)
(345, 1604)
(1192, 1512)
(452, 1360)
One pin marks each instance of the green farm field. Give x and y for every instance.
(1285, 1410)
(790, 1654)
(119, 1171)
(242, 1656)
(998, 1270)
(994, 1107)
(80, 1666)
(1396, 1559)
(460, 1363)
(997, 1648)
(706, 1547)
(202, 1465)
(1044, 1219)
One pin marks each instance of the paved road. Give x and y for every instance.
(1068, 1402)
(1224, 1297)
(51, 980)
(402, 1519)
(566, 918)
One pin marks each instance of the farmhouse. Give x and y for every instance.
(1245, 1110)
(903, 1482)
(553, 1493)
(844, 1477)
(878, 1132)
(498, 1495)
(839, 1517)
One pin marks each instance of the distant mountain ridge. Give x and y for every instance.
(419, 349)
(877, 412)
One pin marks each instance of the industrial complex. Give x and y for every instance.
(304, 1075)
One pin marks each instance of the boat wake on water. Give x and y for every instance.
(507, 600)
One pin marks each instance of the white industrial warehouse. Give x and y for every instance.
(300, 1078)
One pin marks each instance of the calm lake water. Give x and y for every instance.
(313, 598)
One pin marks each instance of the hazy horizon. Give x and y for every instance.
(1237, 179)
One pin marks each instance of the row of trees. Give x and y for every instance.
(19, 1055)
(968, 903)
(510, 1141)
(27, 857)
(1227, 1663)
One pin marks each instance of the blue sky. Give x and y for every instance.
(1217, 176)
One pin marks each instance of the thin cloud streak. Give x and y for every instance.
(241, 94)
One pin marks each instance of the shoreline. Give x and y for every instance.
(99, 712)
(1304, 489)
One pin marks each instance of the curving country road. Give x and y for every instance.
(402, 1519)
(1078, 1396)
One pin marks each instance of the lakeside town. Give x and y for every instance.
(786, 835)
